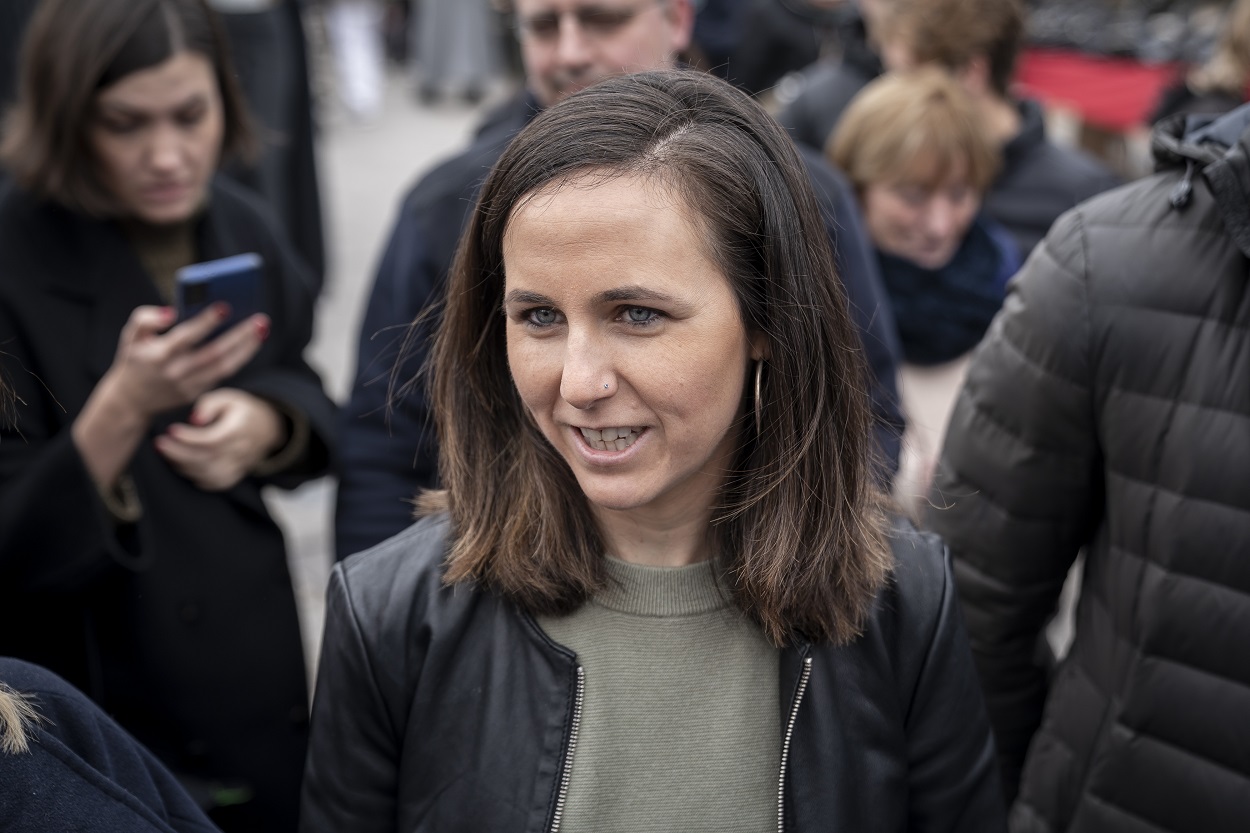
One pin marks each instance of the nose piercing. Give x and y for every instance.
(605, 387)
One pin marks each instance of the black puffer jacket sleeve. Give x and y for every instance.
(1019, 484)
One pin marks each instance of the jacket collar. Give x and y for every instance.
(1032, 133)
(1219, 147)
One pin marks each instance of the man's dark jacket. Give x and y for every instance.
(389, 451)
(828, 85)
(1040, 180)
(448, 709)
(1109, 410)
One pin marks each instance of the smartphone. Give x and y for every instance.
(237, 280)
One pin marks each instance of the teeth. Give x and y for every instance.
(610, 439)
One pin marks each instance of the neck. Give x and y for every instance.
(641, 537)
(1002, 117)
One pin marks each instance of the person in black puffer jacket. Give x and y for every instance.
(1109, 408)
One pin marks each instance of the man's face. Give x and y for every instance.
(568, 45)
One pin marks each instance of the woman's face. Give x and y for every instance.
(921, 223)
(625, 344)
(157, 135)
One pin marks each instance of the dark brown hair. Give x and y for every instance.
(75, 48)
(798, 529)
(951, 33)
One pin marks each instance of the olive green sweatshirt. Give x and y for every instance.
(680, 728)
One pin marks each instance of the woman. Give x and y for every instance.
(920, 159)
(137, 559)
(659, 576)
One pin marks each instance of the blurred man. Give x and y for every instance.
(566, 45)
(1109, 409)
(828, 85)
(979, 41)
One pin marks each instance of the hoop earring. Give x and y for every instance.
(759, 405)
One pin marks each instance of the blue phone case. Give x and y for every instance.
(235, 280)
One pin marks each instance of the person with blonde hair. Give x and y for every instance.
(978, 43)
(921, 160)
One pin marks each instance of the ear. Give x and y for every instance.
(975, 76)
(680, 15)
(760, 348)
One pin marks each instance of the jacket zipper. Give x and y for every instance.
(566, 770)
(785, 745)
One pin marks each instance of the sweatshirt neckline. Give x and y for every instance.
(641, 590)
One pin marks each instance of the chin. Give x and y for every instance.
(166, 215)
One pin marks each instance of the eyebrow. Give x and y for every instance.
(620, 293)
(122, 109)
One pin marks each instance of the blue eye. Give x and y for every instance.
(641, 315)
(542, 317)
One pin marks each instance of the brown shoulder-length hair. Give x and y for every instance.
(799, 527)
(75, 48)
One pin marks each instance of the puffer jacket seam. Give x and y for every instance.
(1171, 313)
(1111, 805)
(1212, 676)
(1155, 485)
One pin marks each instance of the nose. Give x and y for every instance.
(573, 47)
(165, 150)
(940, 220)
(588, 376)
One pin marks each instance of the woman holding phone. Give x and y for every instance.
(659, 591)
(137, 559)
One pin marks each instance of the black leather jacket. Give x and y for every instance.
(447, 709)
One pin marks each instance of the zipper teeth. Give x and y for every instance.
(785, 745)
(567, 771)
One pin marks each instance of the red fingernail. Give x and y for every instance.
(223, 310)
(262, 329)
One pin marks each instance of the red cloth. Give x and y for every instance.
(1112, 93)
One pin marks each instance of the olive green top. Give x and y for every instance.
(680, 728)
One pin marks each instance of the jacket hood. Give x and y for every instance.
(1218, 147)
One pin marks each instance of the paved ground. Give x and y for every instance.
(364, 172)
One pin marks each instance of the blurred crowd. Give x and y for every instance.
(1038, 215)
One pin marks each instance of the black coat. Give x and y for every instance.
(447, 709)
(84, 772)
(183, 625)
(1108, 409)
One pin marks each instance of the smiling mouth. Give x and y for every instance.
(610, 439)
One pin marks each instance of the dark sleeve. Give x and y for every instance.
(83, 771)
(827, 90)
(352, 772)
(43, 484)
(281, 373)
(388, 441)
(1019, 483)
(870, 312)
(952, 777)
